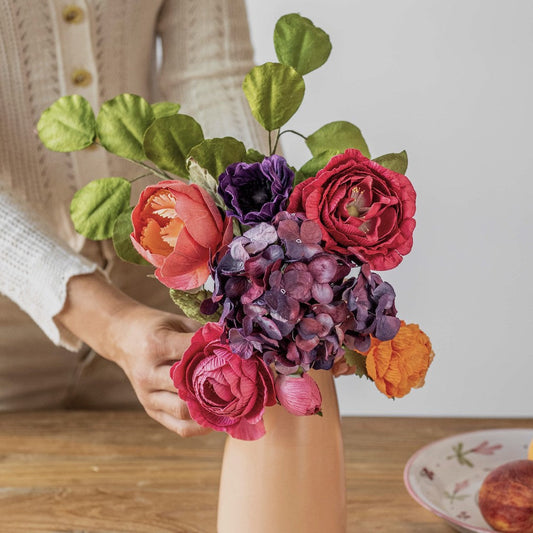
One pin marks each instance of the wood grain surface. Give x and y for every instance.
(79, 471)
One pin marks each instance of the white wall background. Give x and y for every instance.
(452, 83)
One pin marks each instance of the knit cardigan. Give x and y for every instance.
(99, 49)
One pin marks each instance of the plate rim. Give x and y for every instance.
(426, 505)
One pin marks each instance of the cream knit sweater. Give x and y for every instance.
(99, 49)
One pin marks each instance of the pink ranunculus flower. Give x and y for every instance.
(178, 227)
(363, 209)
(300, 395)
(223, 391)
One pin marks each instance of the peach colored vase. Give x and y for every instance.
(292, 479)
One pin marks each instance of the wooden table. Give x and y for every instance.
(121, 472)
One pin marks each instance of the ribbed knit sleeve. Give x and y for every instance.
(206, 54)
(36, 267)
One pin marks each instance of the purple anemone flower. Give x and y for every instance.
(255, 192)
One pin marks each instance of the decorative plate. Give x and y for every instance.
(445, 476)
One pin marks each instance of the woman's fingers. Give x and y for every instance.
(169, 403)
(170, 411)
(160, 379)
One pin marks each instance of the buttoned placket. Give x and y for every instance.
(77, 60)
(79, 75)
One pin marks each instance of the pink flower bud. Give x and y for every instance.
(300, 395)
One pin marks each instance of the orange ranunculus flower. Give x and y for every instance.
(398, 365)
(178, 228)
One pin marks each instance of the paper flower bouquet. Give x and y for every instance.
(290, 253)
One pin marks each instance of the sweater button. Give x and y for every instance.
(81, 77)
(72, 14)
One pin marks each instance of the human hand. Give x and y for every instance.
(145, 343)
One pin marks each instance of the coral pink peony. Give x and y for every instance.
(178, 228)
(223, 391)
(300, 395)
(363, 209)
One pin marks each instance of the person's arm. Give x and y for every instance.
(144, 342)
(35, 266)
(71, 301)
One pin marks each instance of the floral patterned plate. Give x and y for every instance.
(445, 476)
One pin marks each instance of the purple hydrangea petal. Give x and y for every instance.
(310, 232)
(298, 284)
(387, 327)
(323, 268)
(306, 344)
(269, 327)
(322, 293)
(289, 230)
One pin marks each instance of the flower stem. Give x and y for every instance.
(295, 133)
(158, 172)
(280, 133)
(140, 177)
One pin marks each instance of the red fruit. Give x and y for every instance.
(506, 497)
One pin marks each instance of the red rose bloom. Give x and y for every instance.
(363, 209)
(223, 391)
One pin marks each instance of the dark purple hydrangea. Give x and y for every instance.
(255, 192)
(372, 302)
(285, 297)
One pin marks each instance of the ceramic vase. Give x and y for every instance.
(292, 479)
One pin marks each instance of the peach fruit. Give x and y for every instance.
(506, 497)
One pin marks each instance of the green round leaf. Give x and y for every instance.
(189, 302)
(253, 156)
(121, 124)
(216, 154)
(311, 167)
(274, 93)
(201, 177)
(300, 44)
(396, 162)
(122, 242)
(95, 208)
(168, 140)
(165, 109)
(356, 359)
(339, 136)
(67, 125)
